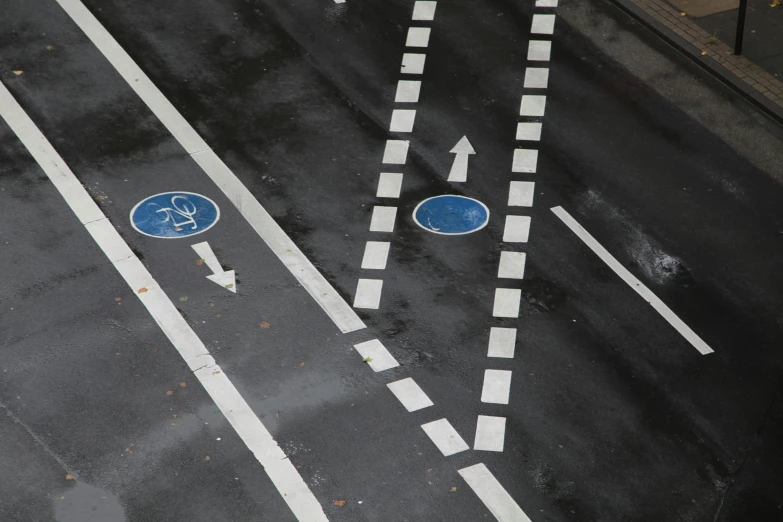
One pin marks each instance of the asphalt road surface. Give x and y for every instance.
(132, 386)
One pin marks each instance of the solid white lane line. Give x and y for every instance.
(376, 355)
(502, 342)
(539, 50)
(517, 229)
(418, 37)
(413, 63)
(492, 494)
(445, 437)
(389, 185)
(546, 3)
(396, 152)
(520, 193)
(543, 24)
(512, 265)
(529, 131)
(375, 255)
(525, 160)
(383, 219)
(407, 91)
(532, 105)
(368, 294)
(424, 10)
(506, 302)
(247, 205)
(633, 282)
(497, 386)
(410, 394)
(402, 120)
(536, 77)
(281, 471)
(490, 433)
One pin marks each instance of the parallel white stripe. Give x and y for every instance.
(539, 50)
(490, 433)
(529, 131)
(396, 152)
(546, 3)
(407, 91)
(247, 205)
(382, 219)
(633, 282)
(520, 193)
(389, 185)
(532, 105)
(497, 386)
(543, 24)
(502, 342)
(376, 355)
(375, 255)
(517, 229)
(507, 302)
(492, 494)
(410, 394)
(424, 10)
(402, 120)
(418, 37)
(512, 265)
(413, 63)
(536, 78)
(368, 294)
(525, 161)
(445, 437)
(256, 437)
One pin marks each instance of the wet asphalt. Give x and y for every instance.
(613, 416)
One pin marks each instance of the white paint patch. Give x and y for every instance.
(413, 63)
(253, 433)
(407, 91)
(459, 168)
(497, 386)
(424, 10)
(536, 77)
(517, 229)
(532, 105)
(383, 219)
(402, 120)
(389, 185)
(546, 3)
(529, 131)
(418, 37)
(512, 265)
(339, 1)
(543, 24)
(507, 302)
(633, 282)
(247, 205)
(539, 50)
(490, 433)
(375, 255)
(525, 160)
(492, 494)
(225, 278)
(368, 294)
(520, 193)
(502, 342)
(396, 152)
(376, 355)
(445, 437)
(410, 394)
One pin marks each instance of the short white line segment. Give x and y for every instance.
(536, 78)
(490, 433)
(532, 105)
(382, 219)
(543, 24)
(375, 255)
(396, 152)
(497, 386)
(368, 294)
(492, 494)
(402, 120)
(418, 37)
(389, 185)
(539, 50)
(525, 161)
(512, 265)
(410, 394)
(413, 63)
(445, 437)
(520, 193)
(502, 342)
(507, 302)
(517, 229)
(376, 355)
(424, 10)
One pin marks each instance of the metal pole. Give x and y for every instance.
(740, 27)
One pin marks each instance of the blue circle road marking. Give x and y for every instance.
(174, 214)
(451, 215)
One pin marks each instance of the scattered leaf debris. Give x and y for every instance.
(183, 298)
(301, 363)
(49, 47)
(367, 359)
(264, 324)
(142, 290)
(199, 261)
(206, 458)
(183, 384)
(453, 489)
(18, 73)
(169, 392)
(339, 503)
(68, 477)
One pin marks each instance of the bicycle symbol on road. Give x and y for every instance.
(174, 214)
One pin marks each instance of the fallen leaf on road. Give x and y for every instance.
(169, 392)
(49, 47)
(339, 503)
(453, 489)
(264, 324)
(183, 384)
(229, 286)
(775, 3)
(683, 14)
(199, 261)
(18, 73)
(118, 299)
(183, 298)
(206, 458)
(174, 415)
(68, 477)
(301, 364)
(703, 53)
(142, 290)
(367, 359)
(100, 198)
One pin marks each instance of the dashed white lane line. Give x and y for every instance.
(633, 282)
(536, 78)
(512, 265)
(539, 50)
(546, 3)
(376, 355)
(507, 302)
(517, 229)
(497, 386)
(502, 342)
(490, 433)
(525, 160)
(389, 185)
(382, 219)
(396, 152)
(368, 294)
(543, 24)
(532, 105)
(413, 63)
(410, 394)
(520, 193)
(402, 120)
(529, 131)
(445, 437)
(247, 205)
(418, 37)
(424, 10)
(375, 255)
(407, 91)
(253, 433)
(492, 494)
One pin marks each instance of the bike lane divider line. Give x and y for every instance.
(497, 386)
(410, 394)
(492, 494)
(490, 433)
(247, 425)
(376, 355)
(445, 437)
(260, 220)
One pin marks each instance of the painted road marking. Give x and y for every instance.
(253, 433)
(539, 50)
(546, 3)
(543, 24)
(497, 386)
(525, 160)
(396, 152)
(376, 355)
(445, 437)
(375, 255)
(536, 78)
(490, 433)
(492, 494)
(389, 185)
(418, 37)
(413, 63)
(172, 215)
(247, 205)
(633, 282)
(225, 278)
(512, 265)
(502, 342)
(532, 105)
(517, 229)
(507, 302)
(520, 193)
(368, 294)
(407, 91)
(402, 120)
(459, 168)
(529, 131)
(424, 10)
(451, 215)
(410, 394)
(383, 219)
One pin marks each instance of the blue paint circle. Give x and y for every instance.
(174, 214)
(451, 215)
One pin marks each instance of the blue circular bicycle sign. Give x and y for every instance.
(451, 215)
(174, 214)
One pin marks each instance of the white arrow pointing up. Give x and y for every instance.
(459, 169)
(227, 279)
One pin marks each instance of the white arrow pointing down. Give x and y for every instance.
(226, 279)
(459, 169)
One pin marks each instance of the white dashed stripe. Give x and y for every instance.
(413, 63)
(536, 78)
(490, 433)
(376, 355)
(517, 229)
(507, 302)
(497, 386)
(445, 437)
(543, 24)
(539, 50)
(525, 160)
(410, 394)
(368, 294)
(383, 219)
(492, 494)
(424, 10)
(418, 37)
(396, 152)
(520, 193)
(402, 120)
(532, 105)
(502, 342)
(546, 3)
(407, 91)
(389, 185)
(529, 131)
(375, 255)
(512, 265)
